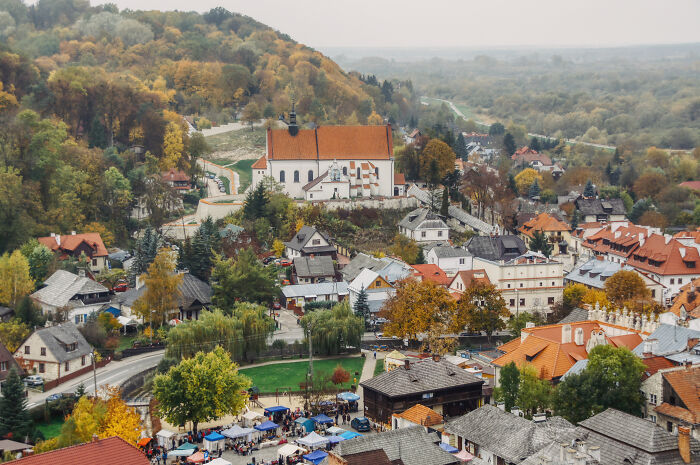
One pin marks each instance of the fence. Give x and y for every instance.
(52, 384)
(141, 350)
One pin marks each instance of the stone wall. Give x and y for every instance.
(387, 203)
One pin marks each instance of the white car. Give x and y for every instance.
(34, 380)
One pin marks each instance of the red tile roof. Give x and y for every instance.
(655, 364)
(695, 235)
(331, 142)
(470, 277)
(526, 154)
(70, 242)
(689, 299)
(399, 179)
(543, 222)
(686, 385)
(665, 256)
(109, 451)
(260, 164)
(174, 175)
(693, 185)
(421, 415)
(621, 241)
(430, 272)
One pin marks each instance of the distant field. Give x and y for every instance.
(242, 139)
(287, 376)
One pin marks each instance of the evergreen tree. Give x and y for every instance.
(361, 306)
(496, 129)
(197, 254)
(256, 203)
(534, 190)
(540, 243)
(14, 416)
(97, 136)
(80, 391)
(460, 147)
(445, 202)
(509, 144)
(575, 218)
(535, 144)
(145, 251)
(420, 257)
(29, 313)
(589, 190)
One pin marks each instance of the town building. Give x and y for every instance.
(496, 248)
(528, 283)
(466, 279)
(418, 415)
(458, 218)
(616, 242)
(686, 305)
(177, 180)
(430, 272)
(652, 387)
(329, 161)
(76, 295)
(432, 382)
(557, 231)
(7, 362)
(680, 404)
(538, 161)
(601, 210)
(390, 268)
(298, 295)
(314, 269)
(377, 288)
(74, 245)
(54, 352)
(423, 225)
(109, 451)
(309, 241)
(451, 259)
(582, 232)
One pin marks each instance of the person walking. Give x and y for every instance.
(375, 355)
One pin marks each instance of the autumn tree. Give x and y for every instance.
(13, 333)
(483, 188)
(525, 179)
(278, 248)
(15, 279)
(340, 375)
(626, 288)
(436, 161)
(173, 147)
(481, 308)
(251, 114)
(162, 292)
(405, 248)
(650, 184)
(203, 388)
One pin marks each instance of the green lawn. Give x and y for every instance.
(379, 367)
(286, 376)
(245, 173)
(52, 429)
(125, 342)
(238, 139)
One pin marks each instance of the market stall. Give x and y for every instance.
(351, 399)
(181, 452)
(322, 419)
(166, 439)
(289, 449)
(236, 432)
(219, 461)
(249, 418)
(143, 442)
(350, 435)
(335, 439)
(315, 457)
(335, 430)
(306, 423)
(197, 457)
(313, 440)
(448, 448)
(267, 426)
(214, 441)
(276, 413)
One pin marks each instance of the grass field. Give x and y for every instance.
(125, 342)
(52, 429)
(245, 173)
(233, 140)
(286, 376)
(379, 367)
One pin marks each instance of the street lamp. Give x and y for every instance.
(94, 371)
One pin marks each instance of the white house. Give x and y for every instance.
(377, 288)
(422, 225)
(54, 352)
(309, 241)
(530, 282)
(451, 259)
(78, 295)
(329, 161)
(298, 295)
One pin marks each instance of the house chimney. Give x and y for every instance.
(646, 351)
(94, 437)
(57, 237)
(436, 357)
(501, 406)
(407, 365)
(81, 273)
(570, 455)
(578, 337)
(594, 451)
(684, 443)
(539, 417)
(516, 411)
(566, 334)
(53, 234)
(562, 452)
(529, 324)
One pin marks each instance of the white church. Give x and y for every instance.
(330, 162)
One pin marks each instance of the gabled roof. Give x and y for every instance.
(496, 248)
(358, 263)
(70, 242)
(453, 211)
(593, 272)
(305, 290)
(62, 286)
(688, 299)
(314, 267)
(399, 179)
(601, 206)
(303, 236)
(192, 290)
(665, 256)
(654, 364)
(421, 415)
(365, 279)
(668, 339)
(109, 451)
(442, 251)
(686, 385)
(315, 182)
(528, 155)
(619, 239)
(413, 446)
(331, 142)
(692, 185)
(371, 457)
(544, 222)
(422, 218)
(260, 164)
(472, 277)
(431, 272)
(174, 174)
(57, 337)
(423, 376)
(6, 356)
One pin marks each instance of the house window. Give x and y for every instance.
(310, 175)
(521, 284)
(652, 399)
(42, 368)
(552, 283)
(43, 351)
(669, 427)
(653, 293)
(439, 233)
(67, 366)
(345, 170)
(422, 234)
(508, 285)
(378, 283)
(512, 302)
(3, 366)
(94, 262)
(316, 242)
(311, 196)
(82, 360)
(540, 283)
(550, 300)
(680, 280)
(376, 172)
(27, 351)
(673, 281)
(522, 301)
(296, 176)
(358, 173)
(461, 261)
(652, 418)
(282, 177)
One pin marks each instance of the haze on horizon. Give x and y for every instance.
(465, 24)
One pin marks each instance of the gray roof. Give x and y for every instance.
(576, 369)
(357, 264)
(302, 237)
(455, 212)
(487, 427)
(314, 267)
(671, 339)
(305, 290)
(62, 286)
(57, 337)
(230, 230)
(192, 290)
(553, 452)
(412, 445)
(393, 270)
(593, 272)
(601, 206)
(422, 218)
(450, 252)
(423, 376)
(576, 315)
(496, 248)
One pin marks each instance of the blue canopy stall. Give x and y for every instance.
(267, 426)
(315, 457)
(306, 423)
(348, 397)
(276, 409)
(214, 441)
(350, 435)
(335, 439)
(322, 419)
(448, 448)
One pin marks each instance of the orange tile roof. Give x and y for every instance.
(261, 164)
(686, 385)
(470, 277)
(688, 234)
(331, 142)
(620, 241)
(665, 256)
(399, 179)
(431, 272)
(676, 411)
(689, 299)
(655, 364)
(528, 155)
(421, 415)
(543, 222)
(70, 242)
(693, 185)
(626, 340)
(174, 175)
(543, 348)
(582, 228)
(109, 451)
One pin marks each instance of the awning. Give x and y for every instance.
(350, 435)
(315, 457)
(126, 321)
(197, 457)
(219, 461)
(214, 436)
(267, 426)
(237, 432)
(335, 430)
(164, 433)
(143, 442)
(448, 448)
(313, 440)
(181, 453)
(186, 446)
(278, 408)
(252, 415)
(348, 396)
(289, 449)
(464, 456)
(335, 439)
(322, 419)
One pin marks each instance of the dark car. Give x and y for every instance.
(360, 424)
(276, 306)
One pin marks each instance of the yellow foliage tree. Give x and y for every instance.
(7, 99)
(436, 161)
(278, 247)
(405, 248)
(375, 119)
(15, 280)
(172, 147)
(299, 224)
(106, 234)
(593, 296)
(120, 420)
(162, 293)
(525, 179)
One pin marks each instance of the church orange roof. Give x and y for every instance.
(261, 164)
(331, 142)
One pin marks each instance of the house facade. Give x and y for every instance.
(74, 245)
(557, 231)
(310, 270)
(329, 161)
(466, 279)
(298, 295)
(309, 241)
(451, 259)
(377, 287)
(601, 210)
(7, 362)
(422, 225)
(78, 296)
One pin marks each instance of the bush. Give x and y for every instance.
(318, 305)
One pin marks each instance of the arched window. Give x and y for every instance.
(345, 170)
(282, 176)
(376, 172)
(358, 173)
(311, 175)
(296, 176)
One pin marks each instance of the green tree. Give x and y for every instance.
(361, 306)
(461, 146)
(40, 260)
(14, 416)
(534, 394)
(256, 202)
(509, 144)
(80, 391)
(517, 323)
(534, 190)
(29, 313)
(335, 329)
(197, 253)
(574, 398)
(481, 308)
(589, 190)
(619, 378)
(147, 247)
(496, 129)
(203, 388)
(445, 202)
(540, 243)
(242, 278)
(420, 257)
(510, 383)
(162, 290)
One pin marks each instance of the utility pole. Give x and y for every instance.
(94, 372)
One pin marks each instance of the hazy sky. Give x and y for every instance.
(463, 23)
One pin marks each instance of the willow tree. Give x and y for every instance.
(256, 326)
(334, 329)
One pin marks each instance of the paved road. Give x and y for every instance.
(114, 373)
(290, 331)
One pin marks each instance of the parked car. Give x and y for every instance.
(268, 260)
(53, 397)
(121, 287)
(285, 282)
(276, 306)
(34, 380)
(285, 262)
(360, 424)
